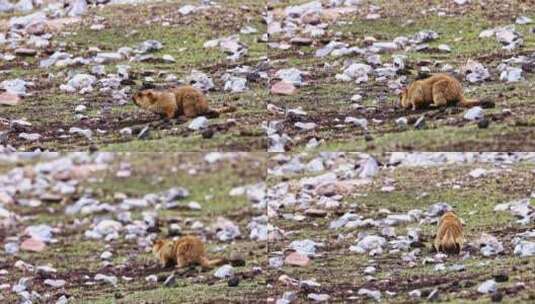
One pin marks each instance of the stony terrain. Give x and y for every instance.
(347, 228)
(338, 67)
(78, 228)
(67, 73)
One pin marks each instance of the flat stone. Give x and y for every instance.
(9, 99)
(315, 212)
(283, 88)
(25, 52)
(301, 41)
(33, 244)
(296, 259)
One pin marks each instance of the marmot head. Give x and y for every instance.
(403, 97)
(144, 98)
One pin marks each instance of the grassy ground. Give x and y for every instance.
(49, 109)
(341, 272)
(327, 101)
(77, 258)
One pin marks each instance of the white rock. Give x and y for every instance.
(306, 126)
(55, 283)
(82, 81)
(478, 172)
(87, 133)
(318, 297)
(475, 113)
(30, 136)
(225, 271)
(291, 75)
(525, 249)
(236, 84)
(198, 123)
(14, 86)
(511, 74)
(106, 255)
(488, 286)
(77, 8)
(359, 122)
(369, 243)
(80, 109)
(304, 247)
(523, 20)
(187, 9)
(168, 58)
(111, 279)
(199, 80)
(374, 294)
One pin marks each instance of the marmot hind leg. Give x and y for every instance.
(440, 96)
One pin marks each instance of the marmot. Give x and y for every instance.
(177, 101)
(186, 251)
(449, 238)
(437, 90)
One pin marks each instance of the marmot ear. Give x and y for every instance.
(158, 243)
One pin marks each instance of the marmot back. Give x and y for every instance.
(449, 238)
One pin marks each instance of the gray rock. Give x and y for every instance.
(306, 126)
(369, 243)
(225, 271)
(82, 81)
(359, 122)
(511, 74)
(111, 279)
(420, 122)
(304, 247)
(438, 209)
(373, 294)
(489, 245)
(199, 80)
(103, 58)
(24, 6)
(149, 46)
(525, 249)
(236, 84)
(523, 20)
(276, 262)
(6, 6)
(11, 248)
(368, 168)
(77, 8)
(186, 9)
(318, 297)
(198, 123)
(385, 46)
(475, 113)
(55, 283)
(14, 86)
(87, 133)
(475, 71)
(41, 232)
(488, 286)
(291, 75)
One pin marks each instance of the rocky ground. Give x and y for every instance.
(78, 228)
(347, 227)
(338, 66)
(68, 71)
